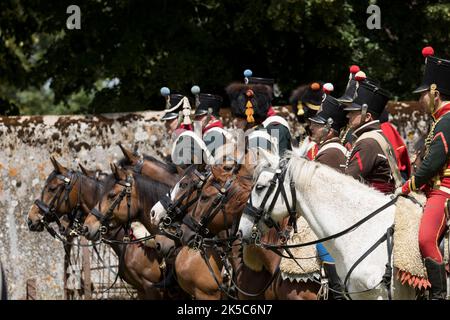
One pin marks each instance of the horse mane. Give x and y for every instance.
(303, 170)
(149, 191)
(169, 167)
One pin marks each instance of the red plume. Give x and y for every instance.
(427, 51)
(354, 69)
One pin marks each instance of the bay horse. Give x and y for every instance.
(328, 211)
(262, 280)
(140, 267)
(149, 166)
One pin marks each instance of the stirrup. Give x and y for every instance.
(324, 290)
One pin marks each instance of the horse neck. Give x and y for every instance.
(158, 173)
(331, 202)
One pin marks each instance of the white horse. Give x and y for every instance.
(331, 202)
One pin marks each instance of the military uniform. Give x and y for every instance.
(188, 147)
(433, 175)
(213, 133)
(372, 159)
(306, 102)
(397, 143)
(332, 153)
(252, 101)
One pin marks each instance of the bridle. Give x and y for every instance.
(200, 227)
(177, 209)
(105, 219)
(49, 212)
(260, 214)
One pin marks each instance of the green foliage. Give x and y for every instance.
(46, 68)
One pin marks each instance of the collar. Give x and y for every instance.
(334, 139)
(366, 127)
(216, 123)
(271, 112)
(441, 111)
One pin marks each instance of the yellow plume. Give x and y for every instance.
(249, 112)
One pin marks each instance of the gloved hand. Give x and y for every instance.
(404, 190)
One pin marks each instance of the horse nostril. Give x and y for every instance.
(85, 230)
(29, 222)
(239, 234)
(152, 213)
(158, 247)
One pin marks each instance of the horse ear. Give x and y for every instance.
(86, 172)
(114, 169)
(130, 156)
(58, 167)
(121, 173)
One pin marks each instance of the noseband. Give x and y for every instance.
(200, 228)
(62, 195)
(174, 209)
(105, 219)
(261, 214)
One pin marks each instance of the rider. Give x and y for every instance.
(188, 147)
(347, 98)
(306, 102)
(325, 128)
(372, 158)
(173, 108)
(207, 114)
(251, 105)
(433, 175)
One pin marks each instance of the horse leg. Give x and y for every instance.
(194, 276)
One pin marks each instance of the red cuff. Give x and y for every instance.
(406, 188)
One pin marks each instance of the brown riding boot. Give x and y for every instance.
(437, 277)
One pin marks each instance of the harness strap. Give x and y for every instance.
(357, 262)
(339, 234)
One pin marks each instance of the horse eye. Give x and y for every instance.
(260, 187)
(228, 168)
(183, 185)
(112, 194)
(52, 188)
(204, 198)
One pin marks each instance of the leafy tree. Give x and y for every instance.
(127, 49)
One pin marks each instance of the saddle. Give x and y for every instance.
(308, 261)
(407, 257)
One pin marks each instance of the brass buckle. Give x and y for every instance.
(103, 230)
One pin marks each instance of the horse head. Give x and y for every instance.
(270, 197)
(55, 199)
(221, 202)
(127, 199)
(172, 207)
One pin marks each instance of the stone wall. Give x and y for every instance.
(26, 144)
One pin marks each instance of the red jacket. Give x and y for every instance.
(400, 150)
(216, 123)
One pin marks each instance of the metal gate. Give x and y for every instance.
(90, 273)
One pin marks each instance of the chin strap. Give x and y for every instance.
(432, 95)
(363, 113)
